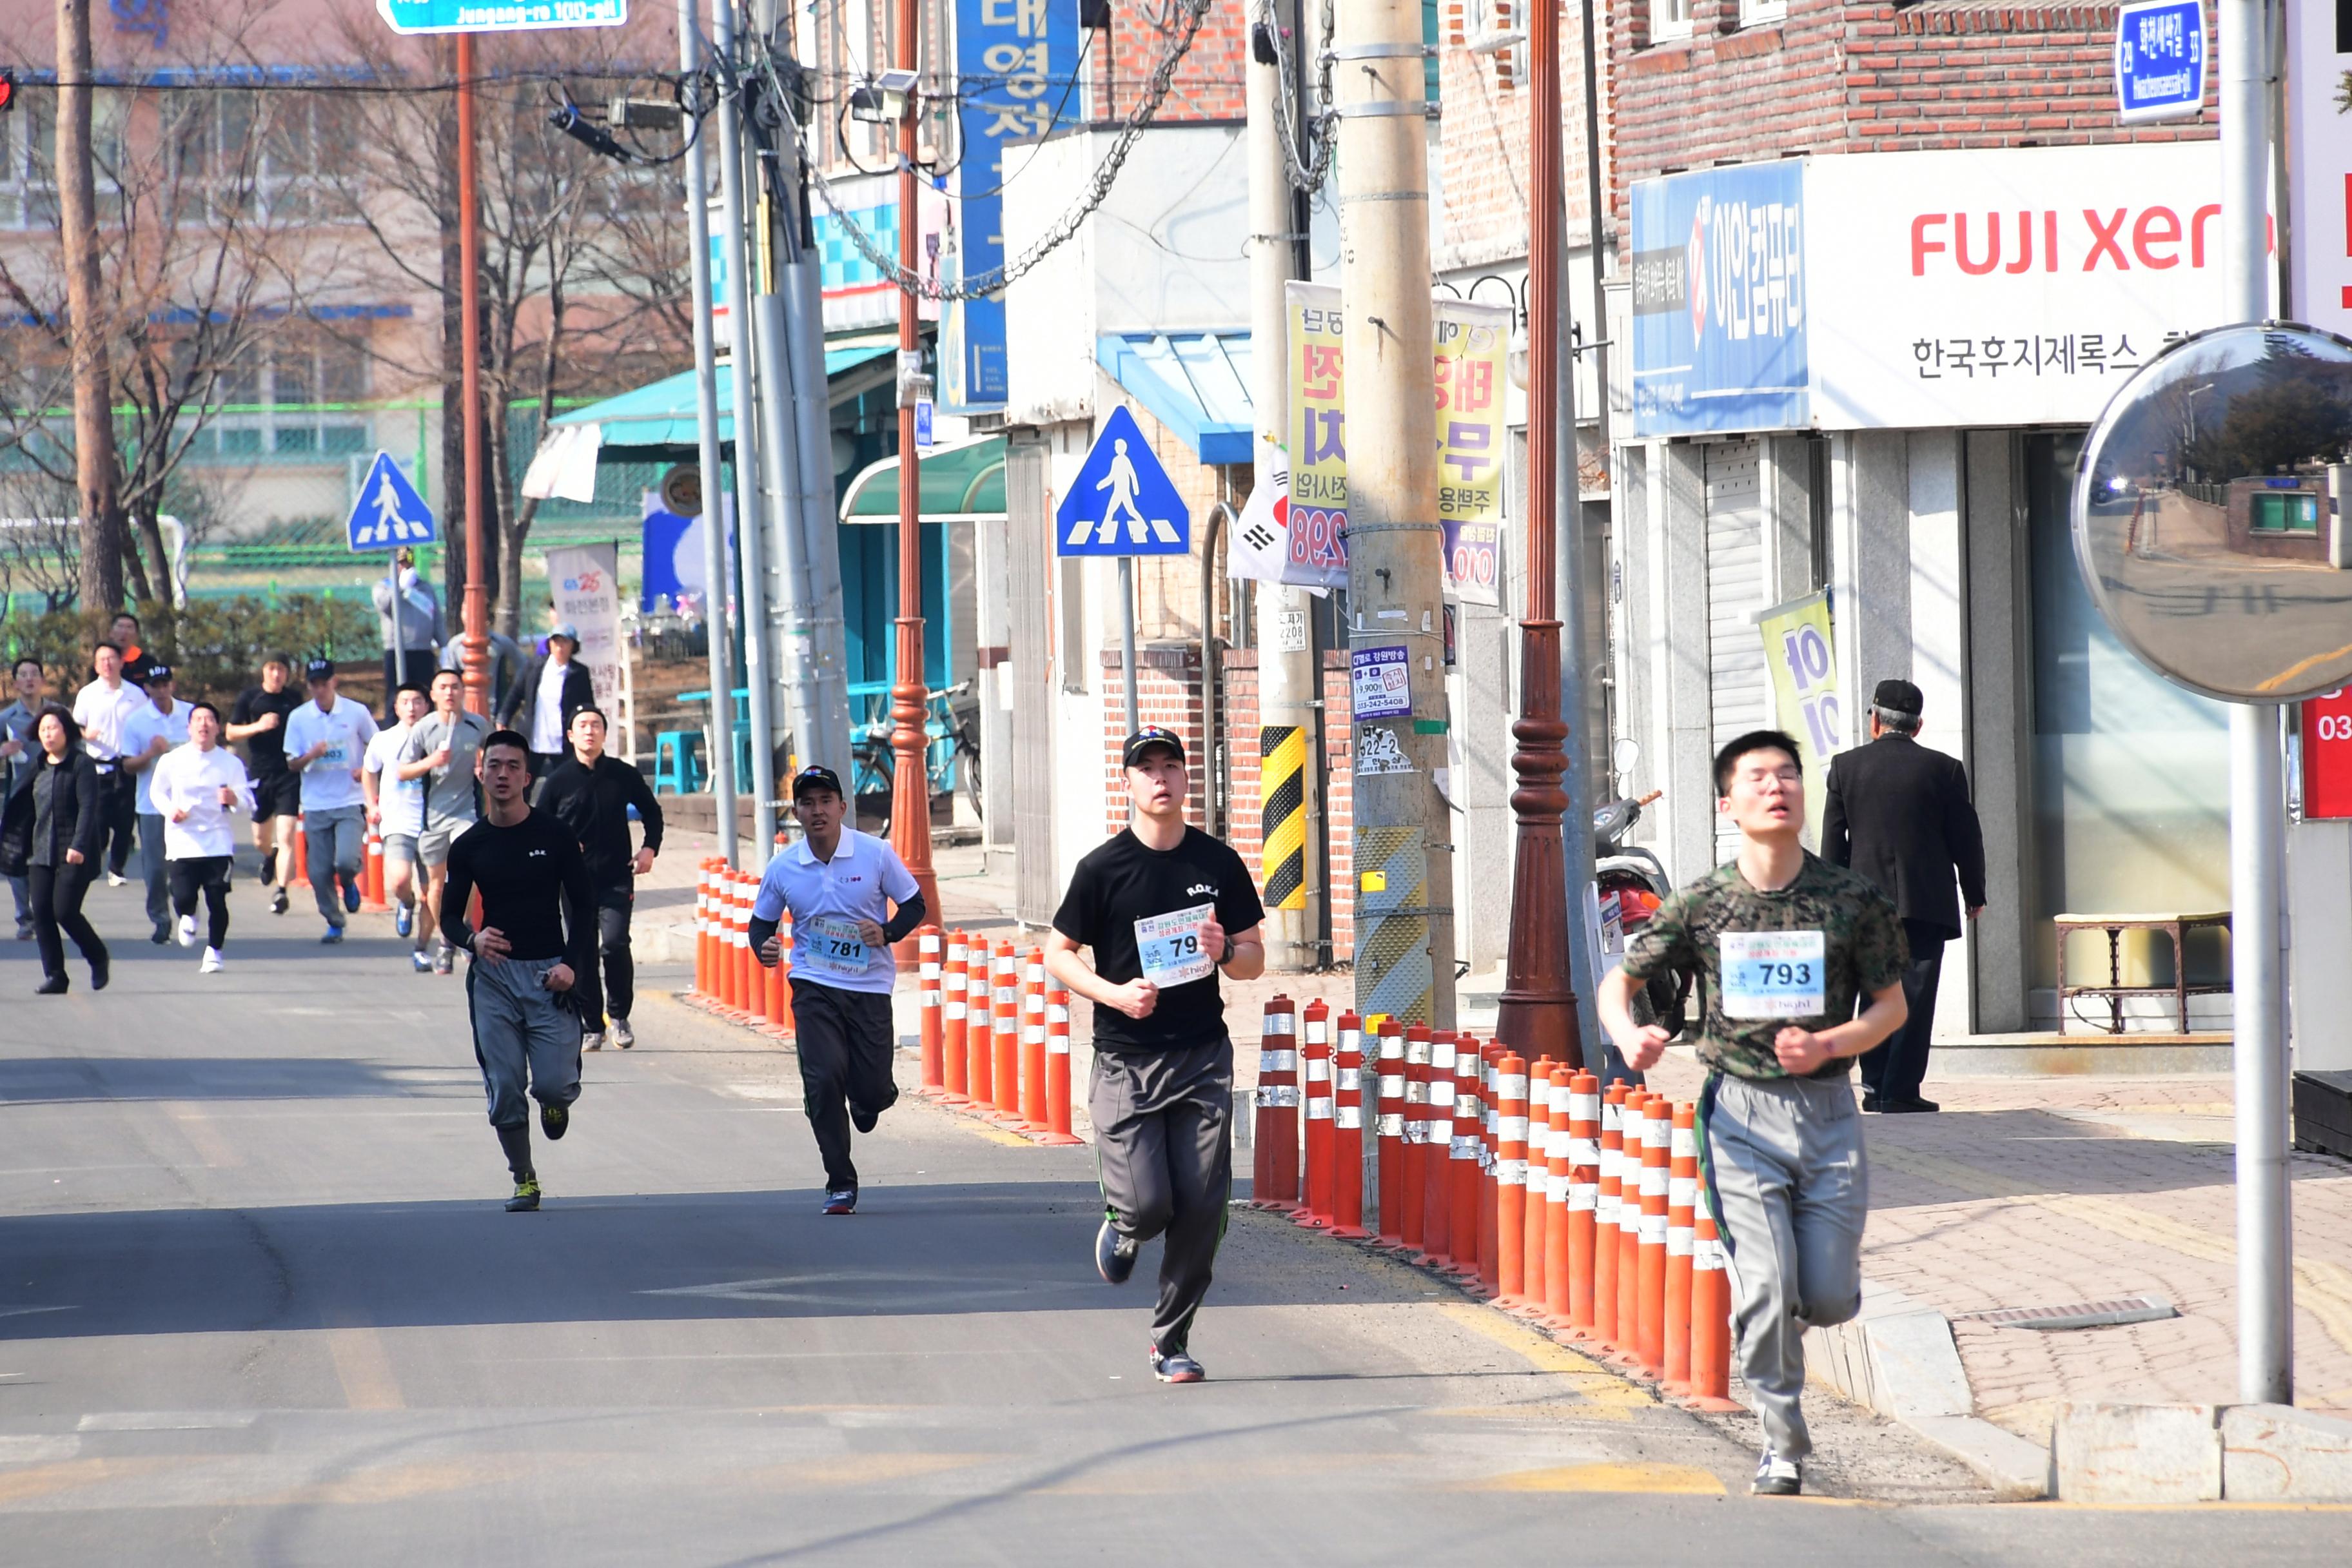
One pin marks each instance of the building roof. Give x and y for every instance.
(1196, 384)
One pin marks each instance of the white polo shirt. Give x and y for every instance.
(332, 780)
(101, 714)
(403, 800)
(141, 728)
(826, 898)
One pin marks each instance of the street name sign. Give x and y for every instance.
(500, 16)
(2160, 60)
(389, 512)
(1122, 502)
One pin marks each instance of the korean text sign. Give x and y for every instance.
(584, 583)
(1801, 652)
(2327, 756)
(1719, 285)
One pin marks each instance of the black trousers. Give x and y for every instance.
(118, 815)
(55, 892)
(208, 875)
(613, 908)
(1164, 1152)
(1897, 1065)
(845, 1040)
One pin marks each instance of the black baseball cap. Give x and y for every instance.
(814, 777)
(1143, 740)
(156, 672)
(319, 670)
(1899, 697)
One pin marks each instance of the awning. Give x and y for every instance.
(656, 423)
(960, 482)
(1196, 384)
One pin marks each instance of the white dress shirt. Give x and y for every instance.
(188, 777)
(102, 711)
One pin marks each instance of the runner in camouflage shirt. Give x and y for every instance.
(1862, 939)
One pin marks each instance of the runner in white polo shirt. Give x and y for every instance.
(396, 807)
(160, 724)
(326, 740)
(837, 881)
(201, 790)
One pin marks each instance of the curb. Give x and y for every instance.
(2110, 1452)
(1898, 1358)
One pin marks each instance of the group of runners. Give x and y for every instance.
(1797, 963)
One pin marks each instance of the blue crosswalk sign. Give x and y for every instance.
(389, 512)
(1122, 502)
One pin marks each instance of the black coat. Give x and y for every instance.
(1899, 813)
(522, 697)
(66, 814)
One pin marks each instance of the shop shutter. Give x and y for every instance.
(1036, 880)
(1739, 687)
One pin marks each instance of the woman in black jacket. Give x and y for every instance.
(67, 826)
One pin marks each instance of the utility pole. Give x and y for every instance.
(706, 421)
(101, 570)
(1403, 838)
(752, 614)
(475, 660)
(910, 787)
(1289, 683)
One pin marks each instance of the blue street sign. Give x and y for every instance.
(2159, 60)
(925, 423)
(389, 512)
(500, 16)
(1122, 502)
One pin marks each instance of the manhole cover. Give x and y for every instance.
(2076, 1314)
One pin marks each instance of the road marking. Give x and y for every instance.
(1685, 1480)
(363, 1368)
(387, 1483)
(165, 1420)
(856, 1470)
(214, 1150)
(38, 1447)
(20, 1486)
(28, 1311)
(1611, 1397)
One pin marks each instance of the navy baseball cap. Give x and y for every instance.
(156, 672)
(813, 777)
(1151, 735)
(319, 670)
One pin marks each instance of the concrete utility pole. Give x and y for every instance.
(1290, 684)
(100, 575)
(751, 617)
(705, 411)
(1403, 834)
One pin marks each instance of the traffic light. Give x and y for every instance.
(7, 91)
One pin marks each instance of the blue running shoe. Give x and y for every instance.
(351, 895)
(334, 934)
(1175, 1366)
(402, 919)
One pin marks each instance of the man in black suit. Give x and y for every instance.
(1900, 814)
(543, 699)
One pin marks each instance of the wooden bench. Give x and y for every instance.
(2115, 990)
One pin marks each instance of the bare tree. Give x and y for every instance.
(86, 329)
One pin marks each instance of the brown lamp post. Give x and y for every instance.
(1538, 1002)
(474, 658)
(910, 789)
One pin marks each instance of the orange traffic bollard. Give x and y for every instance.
(1556, 1171)
(1532, 1178)
(1437, 1154)
(1058, 1069)
(1682, 1185)
(1314, 1067)
(1006, 975)
(1657, 1140)
(1277, 1073)
(980, 1027)
(701, 931)
(928, 980)
(955, 1072)
(371, 876)
(1628, 1224)
(1348, 1130)
(1511, 1178)
(1583, 1196)
(1414, 1172)
(1490, 1279)
(302, 853)
(779, 981)
(1609, 1201)
(1388, 1164)
(1710, 1317)
(1033, 1041)
(755, 985)
(730, 977)
(1461, 1158)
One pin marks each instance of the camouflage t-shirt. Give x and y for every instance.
(1804, 955)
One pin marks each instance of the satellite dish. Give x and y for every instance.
(2209, 513)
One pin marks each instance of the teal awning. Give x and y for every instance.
(962, 480)
(656, 422)
(1196, 384)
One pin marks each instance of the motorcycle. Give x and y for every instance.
(1629, 884)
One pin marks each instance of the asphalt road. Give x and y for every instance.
(259, 1303)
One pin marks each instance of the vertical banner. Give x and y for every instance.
(1016, 62)
(1800, 651)
(1472, 340)
(583, 580)
(1318, 553)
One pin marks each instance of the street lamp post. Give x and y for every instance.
(910, 794)
(476, 658)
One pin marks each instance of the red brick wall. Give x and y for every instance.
(1483, 141)
(1167, 691)
(1209, 80)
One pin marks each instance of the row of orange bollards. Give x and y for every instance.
(1575, 1208)
(728, 978)
(996, 1037)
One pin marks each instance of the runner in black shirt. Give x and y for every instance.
(1164, 907)
(258, 719)
(590, 793)
(538, 942)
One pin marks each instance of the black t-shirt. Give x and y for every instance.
(1124, 882)
(265, 751)
(535, 891)
(594, 802)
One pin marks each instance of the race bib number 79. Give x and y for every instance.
(1774, 974)
(1168, 946)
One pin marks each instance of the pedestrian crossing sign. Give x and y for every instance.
(1122, 502)
(389, 513)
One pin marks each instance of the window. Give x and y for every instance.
(259, 155)
(1671, 19)
(1753, 13)
(293, 401)
(2285, 511)
(29, 155)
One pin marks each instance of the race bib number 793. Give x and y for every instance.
(1774, 974)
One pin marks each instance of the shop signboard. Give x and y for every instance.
(2327, 754)
(1719, 290)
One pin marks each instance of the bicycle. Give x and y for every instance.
(951, 756)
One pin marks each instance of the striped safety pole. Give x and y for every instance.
(1533, 1177)
(1007, 1037)
(1388, 1164)
(302, 850)
(1414, 1184)
(1710, 1318)
(1490, 1258)
(1058, 1069)
(928, 978)
(1278, 1071)
(1583, 1196)
(1607, 1202)
(1511, 1179)
(1315, 1067)
(371, 879)
(1271, 1053)
(778, 982)
(1461, 1175)
(955, 1072)
(1682, 1188)
(1437, 1154)
(1033, 1041)
(1657, 1144)
(1559, 1173)
(1347, 1129)
(979, 1028)
(1629, 1225)
(730, 973)
(701, 930)
(754, 991)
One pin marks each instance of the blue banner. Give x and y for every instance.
(1015, 61)
(1720, 301)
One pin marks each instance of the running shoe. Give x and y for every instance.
(421, 961)
(863, 1119)
(1175, 1366)
(116, 879)
(54, 986)
(24, 931)
(623, 1036)
(402, 920)
(446, 961)
(526, 1196)
(1776, 1477)
(100, 971)
(351, 894)
(1115, 1254)
(162, 935)
(263, 873)
(334, 934)
(554, 1120)
(593, 1040)
(841, 1200)
(212, 964)
(187, 931)
(277, 902)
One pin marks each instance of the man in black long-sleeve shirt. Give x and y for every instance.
(590, 794)
(535, 960)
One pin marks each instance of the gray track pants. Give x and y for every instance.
(1164, 1149)
(336, 842)
(1791, 1189)
(522, 1037)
